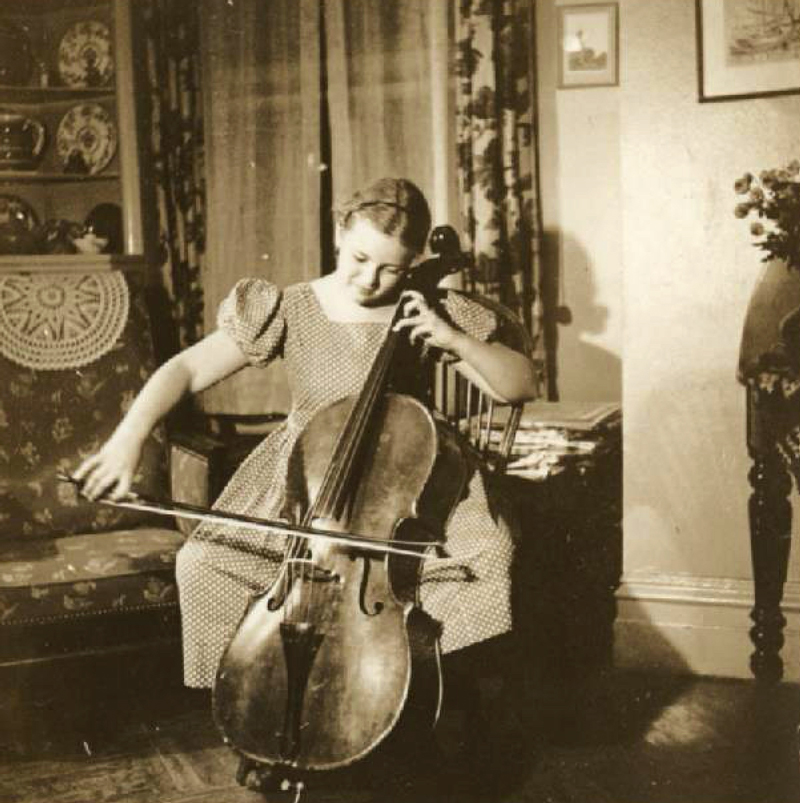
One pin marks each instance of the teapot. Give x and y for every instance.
(17, 238)
(21, 140)
(17, 224)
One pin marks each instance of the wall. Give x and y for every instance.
(672, 263)
(580, 179)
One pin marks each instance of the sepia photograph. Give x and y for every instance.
(399, 401)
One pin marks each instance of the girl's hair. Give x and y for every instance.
(395, 206)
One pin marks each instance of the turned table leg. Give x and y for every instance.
(770, 538)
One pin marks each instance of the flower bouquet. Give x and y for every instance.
(774, 199)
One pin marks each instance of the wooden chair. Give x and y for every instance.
(479, 677)
(489, 426)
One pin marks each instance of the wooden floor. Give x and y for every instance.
(613, 738)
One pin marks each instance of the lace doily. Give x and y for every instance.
(58, 321)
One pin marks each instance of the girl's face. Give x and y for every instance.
(371, 264)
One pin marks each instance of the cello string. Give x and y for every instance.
(360, 414)
(339, 477)
(291, 570)
(337, 481)
(361, 418)
(329, 499)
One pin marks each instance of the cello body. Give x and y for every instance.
(337, 654)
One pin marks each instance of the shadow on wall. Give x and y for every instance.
(578, 368)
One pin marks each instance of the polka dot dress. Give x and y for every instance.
(220, 568)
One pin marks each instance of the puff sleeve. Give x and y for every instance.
(252, 314)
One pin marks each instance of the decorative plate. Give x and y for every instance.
(86, 139)
(13, 208)
(84, 55)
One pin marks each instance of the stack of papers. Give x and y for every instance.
(554, 435)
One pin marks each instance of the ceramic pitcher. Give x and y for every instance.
(21, 140)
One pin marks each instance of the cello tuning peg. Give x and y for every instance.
(448, 258)
(293, 786)
(444, 240)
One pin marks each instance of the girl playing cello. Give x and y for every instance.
(328, 332)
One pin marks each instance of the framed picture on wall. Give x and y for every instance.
(747, 48)
(588, 45)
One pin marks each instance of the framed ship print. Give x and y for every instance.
(747, 48)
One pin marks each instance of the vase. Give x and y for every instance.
(772, 321)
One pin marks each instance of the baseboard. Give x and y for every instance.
(696, 624)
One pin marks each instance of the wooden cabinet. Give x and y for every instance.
(77, 81)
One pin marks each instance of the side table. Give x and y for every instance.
(569, 559)
(771, 375)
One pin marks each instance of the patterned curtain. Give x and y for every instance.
(496, 153)
(172, 62)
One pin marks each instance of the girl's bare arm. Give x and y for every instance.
(196, 368)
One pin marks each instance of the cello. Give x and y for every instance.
(337, 655)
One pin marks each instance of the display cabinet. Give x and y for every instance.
(70, 188)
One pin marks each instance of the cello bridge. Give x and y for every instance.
(308, 570)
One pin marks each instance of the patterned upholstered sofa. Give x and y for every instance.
(83, 582)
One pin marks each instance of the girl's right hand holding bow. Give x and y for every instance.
(110, 471)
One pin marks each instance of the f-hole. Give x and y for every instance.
(362, 591)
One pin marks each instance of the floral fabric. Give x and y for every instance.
(51, 420)
(779, 392)
(79, 575)
(172, 60)
(496, 129)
